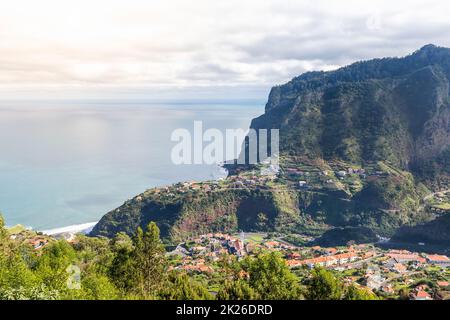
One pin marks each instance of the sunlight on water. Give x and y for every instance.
(66, 163)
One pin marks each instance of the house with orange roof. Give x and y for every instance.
(399, 268)
(406, 257)
(294, 263)
(198, 249)
(328, 261)
(38, 243)
(236, 246)
(369, 254)
(201, 268)
(387, 288)
(421, 295)
(272, 244)
(440, 260)
(204, 268)
(374, 281)
(294, 255)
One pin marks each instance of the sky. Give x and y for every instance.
(179, 49)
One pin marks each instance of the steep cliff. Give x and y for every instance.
(393, 109)
(368, 142)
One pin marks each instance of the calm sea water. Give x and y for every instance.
(67, 163)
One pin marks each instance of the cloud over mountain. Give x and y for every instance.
(203, 43)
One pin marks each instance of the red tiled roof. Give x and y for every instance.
(399, 267)
(329, 258)
(406, 256)
(294, 263)
(436, 257)
(199, 267)
(422, 294)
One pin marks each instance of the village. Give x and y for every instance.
(270, 177)
(294, 173)
(390, 273)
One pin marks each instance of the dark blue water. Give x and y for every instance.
(66, 163)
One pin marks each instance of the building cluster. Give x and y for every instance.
(379, 269)
(36, 240)
(399, 260)
(311, 176)
(232, 182)
(184, 187)
(197, 254)
(248, 181)
(325, 261)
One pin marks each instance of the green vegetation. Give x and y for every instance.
(443, 206)
(323, 285)
(16, 229)
(435, 232)
(368, 111)
(358, 148)
(363, 151)
(344, 236)
(137, 268)
(265, 276)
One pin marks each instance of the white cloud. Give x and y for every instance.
(202, 43)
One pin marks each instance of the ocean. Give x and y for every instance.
(66, 163)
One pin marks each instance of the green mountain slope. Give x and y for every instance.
(435, 232)
(197, 212)
(395, 110)
(370, 140)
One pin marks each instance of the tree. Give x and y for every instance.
(3, 231)
(182, 287)
(39, 292)
(94, 253)
(52, 266)
(16, 279)
(236, 290)
(403, 294)
(262, 222)
(270, 277)
(122, 270)
(230, 266)
(323, 286)
(138, 267)
(3, 235)
(98, 287)
(148, 261)
(352, 292)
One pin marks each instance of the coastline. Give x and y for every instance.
(76, 228)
